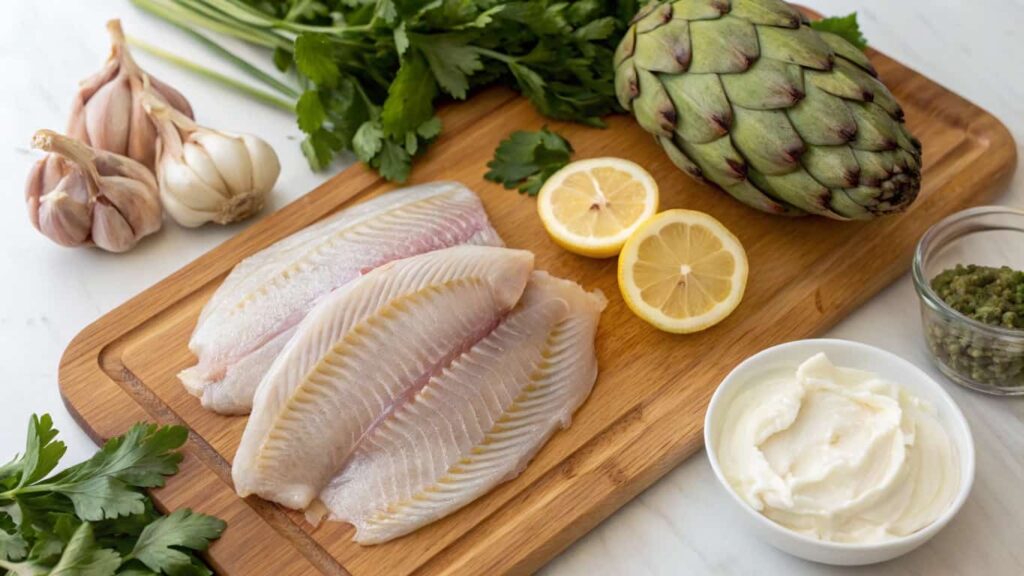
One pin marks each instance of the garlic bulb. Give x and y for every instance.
(206, 175)
(80, 196)
(107, 111)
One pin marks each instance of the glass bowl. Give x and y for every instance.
(971, 353)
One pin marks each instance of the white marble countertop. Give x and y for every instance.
(684, 523)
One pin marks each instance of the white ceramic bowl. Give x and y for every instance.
(852, 355)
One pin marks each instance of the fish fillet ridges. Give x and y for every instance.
(338, 364)
(249, 319)
(330, 385)
(476, 423)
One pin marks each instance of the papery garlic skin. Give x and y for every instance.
(80, 196)
(107, 112)
(206, 175)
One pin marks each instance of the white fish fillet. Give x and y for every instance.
(476, 423)
(255, 311)
(364, 350)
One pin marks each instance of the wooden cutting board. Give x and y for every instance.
(646, 411)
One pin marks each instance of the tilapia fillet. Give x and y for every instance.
(420, 387)
(476, 423)
(257, 308)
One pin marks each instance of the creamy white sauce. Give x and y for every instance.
(838, 454)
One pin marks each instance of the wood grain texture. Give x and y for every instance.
(646, 411)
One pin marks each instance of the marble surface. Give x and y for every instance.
(682, 524)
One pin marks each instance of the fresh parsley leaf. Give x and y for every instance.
(525, 160)
(481, 20)
(101, 497)
(318, 147)
(412, 143)
(394, 162)
(157, 546)
(452, 60)
(10, 473)
(282, 59)
(599, 29)
(314, 58)
(430, 129)
(387, 11)
(368, 140)
(401, 39)
(310, 111)
(142, 458)
(845, 27)
(12, 545)
(50, 543)
(410, 99)
(42, 453)
(81, 557)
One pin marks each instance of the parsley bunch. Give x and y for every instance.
(370, 72)
(93, 519)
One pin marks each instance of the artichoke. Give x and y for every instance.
(785, 118)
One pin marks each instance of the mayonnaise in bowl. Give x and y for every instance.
(837, 454)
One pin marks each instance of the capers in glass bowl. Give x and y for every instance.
(967, 272)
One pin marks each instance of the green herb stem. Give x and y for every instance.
(222, 79)
(188, 14)
(494, 55)
(296, 9)
(242, 64)
(244, 13)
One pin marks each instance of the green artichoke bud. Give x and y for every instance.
(787, 119)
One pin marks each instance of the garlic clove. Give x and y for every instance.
(64, 220)
(54, 169)
(141, 133)
(86, 89)
(75, 184)
(181, 213)
(110, 164)
(172, 96)
(177, 179)
(108, 115)
(201, 163)
(231, 158)
(265, 165)
(34, 190)
(110, 229)
(136, 202)
(48, 174)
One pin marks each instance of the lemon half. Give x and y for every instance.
(591, 207)
(682, 271)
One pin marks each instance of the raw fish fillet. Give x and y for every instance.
(364, 351)
(418, 388)
(256, 310)
(476, 423)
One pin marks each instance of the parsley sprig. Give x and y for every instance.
(525, 160)
(846, 27)
(371, 72)
(94, 519)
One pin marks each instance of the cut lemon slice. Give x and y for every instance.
(682, 271)
(591, 207)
